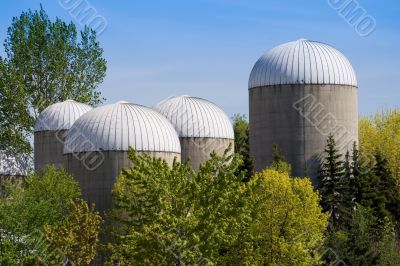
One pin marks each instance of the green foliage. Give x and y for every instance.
(381, 134)
(287, 223)
(388, 189)
(353, 246)
(389, 246)
(334, 185)
(45, 63)
(279, 163)
(167, 216)
(368, 238)
(77, 236)
(25, 209)
(242, 145)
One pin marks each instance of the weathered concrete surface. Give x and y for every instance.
(48, 148)
(97, 172)
(198, 150)
(299, 118)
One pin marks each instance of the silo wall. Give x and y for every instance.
(198, 150)
(48, 148)
(97, 172)
(299, 119)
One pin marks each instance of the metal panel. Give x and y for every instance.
(116, 127)
(60, 116)
(12, 165)
(196, 118)
(302, 62)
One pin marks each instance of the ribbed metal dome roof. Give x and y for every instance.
(116, 127)
(60, 116)
(302, 62)
(196, 117)
(11, 165)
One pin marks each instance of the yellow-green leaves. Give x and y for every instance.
(77, 236)
(381, 134)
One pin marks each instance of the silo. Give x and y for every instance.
(50, 129)
(13, 168)
(201, 125)
(96, 147)
(299, 93)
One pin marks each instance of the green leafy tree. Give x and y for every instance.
(287, 224)
(77, 237)
(380, 133)
(242, 145)
(45, 63)
(24, 211)
(176, 216)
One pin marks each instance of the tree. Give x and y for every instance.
(242, 145)
(388, 203)
(278, 162)
(355, 244)
(333, 187)
(287, 224)
(45, 63)
(389, 246)
(77, 236)
(176, 216)
(381, 133)
(43, 199)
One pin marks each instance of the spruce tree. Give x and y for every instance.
(242, 145)
(331, 176)
(346, 192)
(389, 201)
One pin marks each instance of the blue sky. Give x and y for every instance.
(207, 48)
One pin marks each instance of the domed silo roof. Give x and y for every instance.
(196, 117)
(60, 116)
(11, 165)
(116, 127)
(302, 62)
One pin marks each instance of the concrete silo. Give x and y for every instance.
(50, 129)
(201, 125)
(96, 147)
(299, 93)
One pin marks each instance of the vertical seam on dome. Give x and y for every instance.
(310, 65)
(127, 107)
(333, 62)
(278, 73)
(321, 64)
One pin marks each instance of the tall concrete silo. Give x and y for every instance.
(96, 147)
(50, 129)
(201, 125)
(299, 93)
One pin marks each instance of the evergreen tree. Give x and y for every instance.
(369, 193)
(331, 176)
(361, 237)
(278, 162)
(346, 192)
(355, 172)
(389, 202)
(242, 145)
